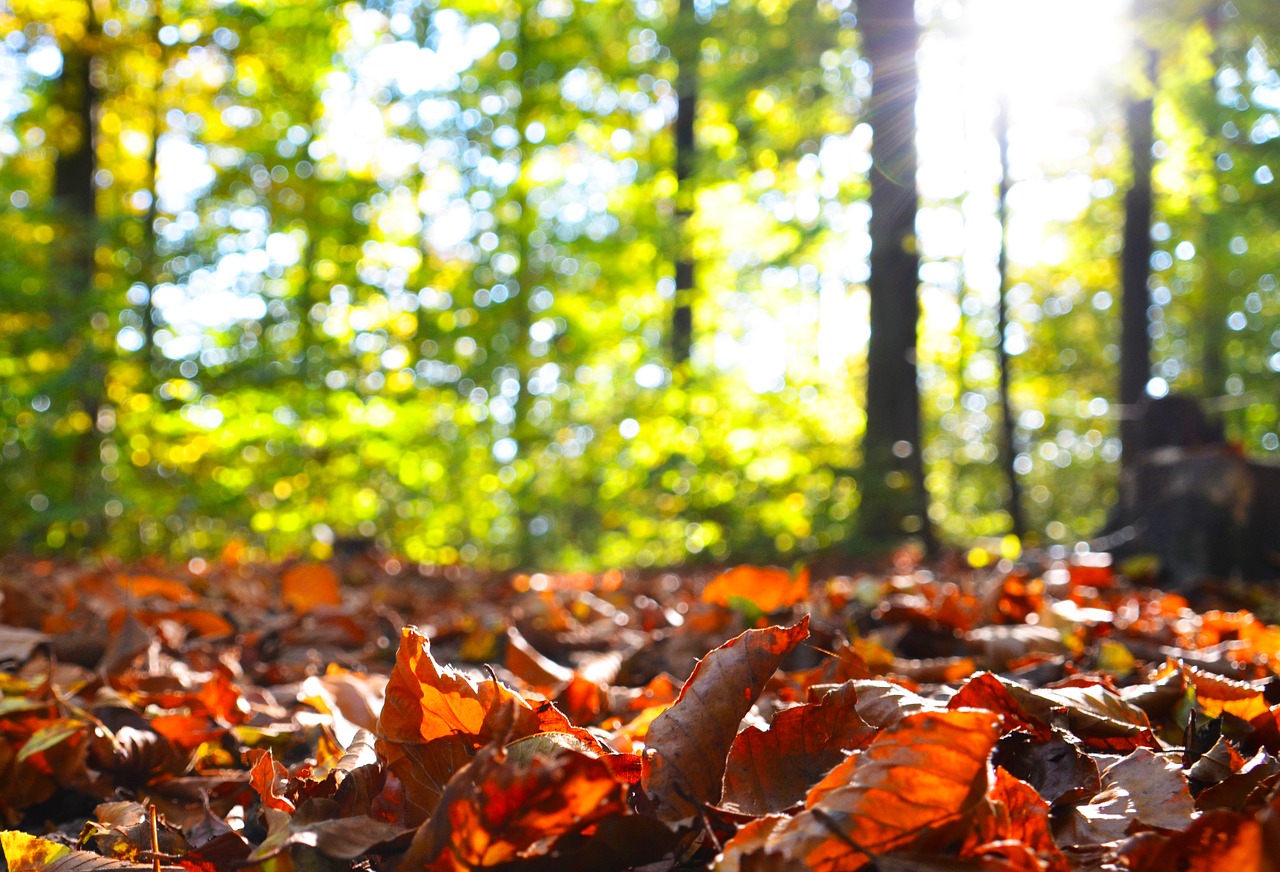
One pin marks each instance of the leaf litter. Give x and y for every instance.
(366, 715)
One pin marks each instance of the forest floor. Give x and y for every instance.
(372, 715)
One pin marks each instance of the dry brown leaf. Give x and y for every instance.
(771, 770)
(1144, 789)
(435, 718)
(688, 743)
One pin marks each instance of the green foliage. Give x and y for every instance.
(402, 270)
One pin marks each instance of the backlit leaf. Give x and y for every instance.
(764, 589)
(435, 718)
(915, 786)
(496, 809)
(270, 779)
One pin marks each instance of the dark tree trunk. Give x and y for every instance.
(685, 48)
(524, 431)
(1008, 448)
(1135, 300)
(150, 239)
(893, 496)
(1218, 230)
(74, 202)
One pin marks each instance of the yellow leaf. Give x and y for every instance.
(27, 853)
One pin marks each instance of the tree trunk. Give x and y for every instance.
(1135, 340)
(1008, 449)
(74, 202)
(893, 496)
(1218, 230)
(685, 49)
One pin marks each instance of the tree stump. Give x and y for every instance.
(1195, 502)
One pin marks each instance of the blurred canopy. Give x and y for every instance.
(281, 273)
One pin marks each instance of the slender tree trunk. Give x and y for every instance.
(74, 200)
(1008, 448)
(1217, 233)
(893, 495)
(524, 431)
(1135, 339)
(150, 240)
(685, 47)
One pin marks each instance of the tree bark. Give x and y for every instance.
(893, 495)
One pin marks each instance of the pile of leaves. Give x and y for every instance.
(371, 715)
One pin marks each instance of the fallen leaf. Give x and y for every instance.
(1217, 841)
(1016, 813)
(757, 589)
(144, 586)
(435, 718)
(1056, 768)
(1093, 713)
(27, 853)
(309, 586)
(343, 838)
(1144, 789)
(884, 704)
(270, 779)
(358, 774)
(496, 809)
(688, 743)
(18, 643)
(122, 831)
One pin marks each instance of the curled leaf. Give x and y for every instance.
(688, 743)
(769, 770)
(435, 718)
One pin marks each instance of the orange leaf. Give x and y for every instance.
(688, 743)
(766, 588)
(1093, 713)
(1216, 694)
(308, 586)
(187, 732)
(143, 586)
(269, 779)
(769, 770)
(435, 718)
(917, 785)
(1015, 813)
(222, 700)
(426, 701)
(1218, 841)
